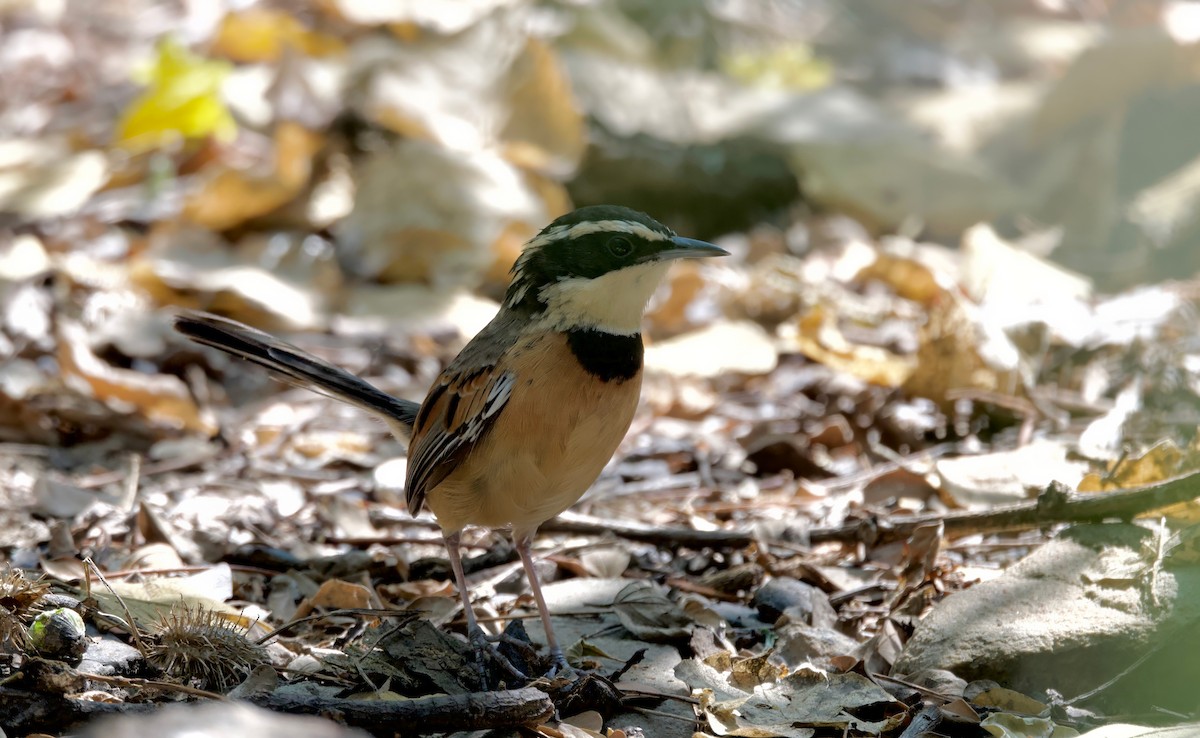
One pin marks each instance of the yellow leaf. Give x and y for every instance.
(182, 100)
(787, 67)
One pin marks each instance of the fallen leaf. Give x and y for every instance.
(182, 101)
(725, 347)
(231, 196)
(191, 266)
(161, 398)
(605, 563)
(649, 615)
(441, 229)
(982, 481)
(491, 87)
(23, 257)
(262, 35)
(1004, 725)
(152, 599)
(985, 693)
(1164, 460)
(336, 594)
(816, 335)
(957, 352)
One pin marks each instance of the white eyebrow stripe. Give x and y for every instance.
(633, 228)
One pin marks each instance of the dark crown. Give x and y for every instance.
(585, 243)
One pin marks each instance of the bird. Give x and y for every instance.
(522, 422)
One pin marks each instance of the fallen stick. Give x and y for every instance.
(1056, 504)
(23, 712)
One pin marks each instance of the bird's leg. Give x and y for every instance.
(556, 653)
(475, 634)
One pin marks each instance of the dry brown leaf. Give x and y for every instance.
(545, 129)
(150, 600)
(231, 196)
(1164, 460)
(336, 594)
(983, 481)
(816, 335)
(591, 722)
(685, 283)
(605, 563)
(262, 35)
(432, 588)
(162, 398)
(54, 498)
(950, 357)
(446, 228)
(154, 556)
(750, 673)
(995, 270)
(792, 706)
(23, 257)
(990, 694)
(324, 447)
(908, 277)
(491, 87)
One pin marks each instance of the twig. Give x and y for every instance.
(342, 612)
(632, 692)
(661, 714)
(166, 686)
(167, 465)
(570, 522)
(23, 712)
(1056, 504)
(440, 714)
(134, 631)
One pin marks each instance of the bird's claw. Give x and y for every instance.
(559, 665)
(485, 646)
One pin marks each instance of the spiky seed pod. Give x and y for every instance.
(13, 636)
(19, 595)
(204, 648)
(18, 599)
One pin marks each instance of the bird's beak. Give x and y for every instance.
(682, 248)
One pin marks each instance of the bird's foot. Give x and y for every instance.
(559, 667)
(487, 647)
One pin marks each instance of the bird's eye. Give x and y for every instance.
(620, 246)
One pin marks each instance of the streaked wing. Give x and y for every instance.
(459, 410)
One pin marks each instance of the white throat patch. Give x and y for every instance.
(613, 302)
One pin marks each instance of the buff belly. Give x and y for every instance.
(553, 437)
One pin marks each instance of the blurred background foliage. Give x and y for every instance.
(363, 165)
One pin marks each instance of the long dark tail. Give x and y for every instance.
(295, 366)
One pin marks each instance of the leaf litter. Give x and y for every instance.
(833, 419)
